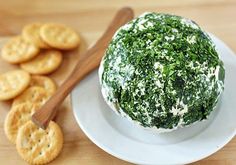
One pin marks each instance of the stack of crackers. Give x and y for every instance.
(38, 52)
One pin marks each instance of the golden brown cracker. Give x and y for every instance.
(59, 36)
(46, 62)
(38, 146)
(12, 83)
(30, 33)
(17, 117)
(18, 50)
(32, 94)
(44, 82)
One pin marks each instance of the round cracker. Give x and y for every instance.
(38, 146)
(18, 50)
(17, 117)
(46, 62)
(31, 33)
(59, 36)
(44, 82)
(34, 95)
(13, 83)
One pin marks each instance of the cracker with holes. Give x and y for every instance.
(59, 36)
(18, 50)
(38, 146)
(44, 82)
(13, 83)
(34, 95)
(17, 117)
(46, 62)
(31, 33)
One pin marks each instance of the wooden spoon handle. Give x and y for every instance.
(89, 61)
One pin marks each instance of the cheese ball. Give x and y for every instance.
(162, 72)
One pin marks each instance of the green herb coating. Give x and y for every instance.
(162, 71)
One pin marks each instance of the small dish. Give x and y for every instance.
(126, 141)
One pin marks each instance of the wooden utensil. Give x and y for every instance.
(89, 61)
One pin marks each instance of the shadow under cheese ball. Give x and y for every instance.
(162, 72)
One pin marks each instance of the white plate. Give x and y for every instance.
(126, 141)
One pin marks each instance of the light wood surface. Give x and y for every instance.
(90, 18)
